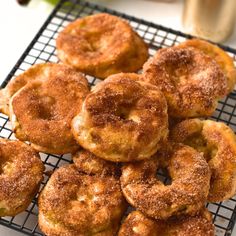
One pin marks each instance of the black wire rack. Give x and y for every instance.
(42, 49)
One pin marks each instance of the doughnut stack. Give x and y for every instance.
(121, 133)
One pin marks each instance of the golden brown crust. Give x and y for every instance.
(219, 55)
(21, 172)
(191, 81)
(122, 119)
(87, 162)
(137, 224)
(73, 203)
(135, 60)
(185, 195)
(101, 45)
(218, 143)
(35, 72)
(49, 103)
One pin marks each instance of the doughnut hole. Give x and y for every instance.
(163, 176)
(189, 132)
(46, 108)
(6, 168)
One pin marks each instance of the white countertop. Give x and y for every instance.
(19, 25)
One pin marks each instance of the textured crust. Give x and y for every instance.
(191, 81)
(90, 164)
(122, 119)
(101, 45)
(74, 203)
(186, 194)
(35, 72)
(49, 103)
(132, 62)
(21, 172)
(218, 143)
(219, 55)
(137, 224)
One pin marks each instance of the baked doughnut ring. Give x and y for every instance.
(122, 120)
(74, 203)
(49, 103)
(37, 71)
(187, 193)
(191, 81)
(137, 224)
(218, 143)
(90, 164)
(101, 45)
(219, 55)
(21, 172)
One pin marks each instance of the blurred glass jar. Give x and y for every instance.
(210, 19)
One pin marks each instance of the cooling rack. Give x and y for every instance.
(42, 49)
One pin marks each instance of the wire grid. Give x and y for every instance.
(42, 49)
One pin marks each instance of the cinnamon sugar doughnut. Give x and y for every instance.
(41, 111)
(191, 81)
(218, 143)
(219, 55)
(91, 164)
(74, 203)
(187, 193)
(122, 120)
(137, 224)
(21, 172)
(101, 45)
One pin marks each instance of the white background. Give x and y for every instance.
(18, 25)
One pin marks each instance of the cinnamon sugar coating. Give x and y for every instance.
(74, 203)
(49, 102)
(191, 81)
(122, 119)
(186, 194)
(36, 71)
(222, 58)
(21, 172)
(91, 164)
(137, 224)
(101, 45)
(218, 143)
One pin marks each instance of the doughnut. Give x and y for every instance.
(21, 172)
(218, 143)
(191, 81)
(223, 59)
(137, 224)
(122, 119)
(49, 102)
(34, 72)
(74, 203)
(101, 45)
(91, 164)
(185, 195)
